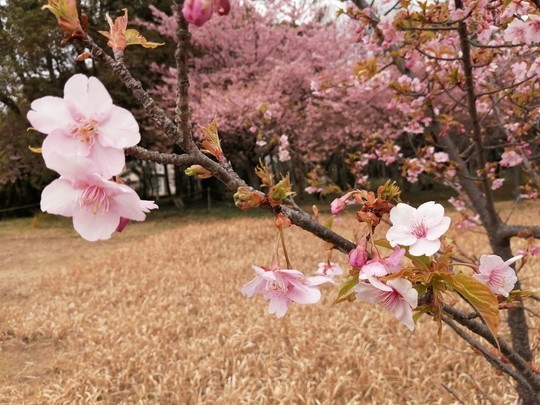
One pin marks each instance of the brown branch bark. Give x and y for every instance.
(490, 357)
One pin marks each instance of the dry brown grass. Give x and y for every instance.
(156, 316)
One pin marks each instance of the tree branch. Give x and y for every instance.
(533, 380)
(490, 357)
(183, 38)
(163, 158)
(121, 72)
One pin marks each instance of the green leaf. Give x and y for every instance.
(418, 312)
(517, 294)
(329, 222)
(345, 289)
(481, 298)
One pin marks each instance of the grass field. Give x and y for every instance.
(155, 316)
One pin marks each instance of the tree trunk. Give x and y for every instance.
(517, 322)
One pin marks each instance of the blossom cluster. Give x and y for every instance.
(86, 134)
(387, 281)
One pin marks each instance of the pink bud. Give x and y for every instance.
(122, 224)
(223, 7)
(197, 12)
(358, 256)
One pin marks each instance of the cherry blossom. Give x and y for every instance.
(497, 183)
(283, 286)
(510, 159)
(85, 123)
(516, 32)
(329, 269)
(420, 229)
(497, 274)
(441, 157)
(396, 296)
(97, 205)
(381, 266)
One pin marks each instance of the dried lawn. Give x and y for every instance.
(155, 316)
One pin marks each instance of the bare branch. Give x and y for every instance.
(163, 158)
(490, 357)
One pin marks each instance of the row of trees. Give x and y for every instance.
(286, 93)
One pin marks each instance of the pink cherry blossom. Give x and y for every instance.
(283, 286)
(420, 229)
(329, 269)
(396, 296)
(197, 12)
(510, 159)
(97, 205)
(516, 32)
(519, 70)
(530, 251)
(441, 157)
(458, 204)
(85, 123)
(497, 183)
(533, 33)
(497, 274)
(467, 223)
(382, 266)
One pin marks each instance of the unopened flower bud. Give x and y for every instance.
(122, 224)
(198, 171)
(245, 199)
(359, 256)
(337, 206)
(197, 12)
(223, 7)
(282, 221)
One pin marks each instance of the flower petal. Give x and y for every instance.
(87, 96)
(399, 235)
(405, 289)
(366, 292)
(254, 287)
(279, 304)
(437, 230)
(304, 295)
(93, 227)
(403, 215)
(119, 130)
(425, 247)
(50, 113)
(109, 161)
(128, 205)
(59, 198)
(488, 263)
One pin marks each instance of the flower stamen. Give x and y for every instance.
(95, 199)
(86, 132)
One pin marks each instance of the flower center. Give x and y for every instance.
(420, 229)
(95, 199)
(86, 131)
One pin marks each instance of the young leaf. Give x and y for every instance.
(342, 295)
(481, 298)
